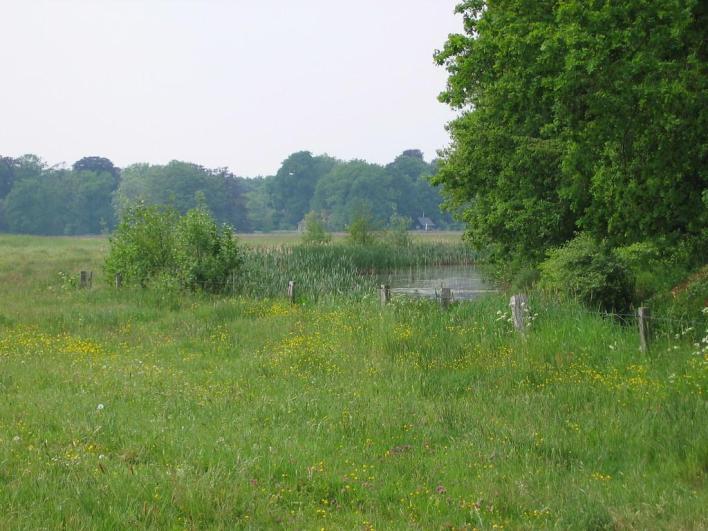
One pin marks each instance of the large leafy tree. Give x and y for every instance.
(236, 207)
(38, 205)
(292, 187)
(410, 176)
(61, 201)
(90, 209)
(576, 115)
(97, 165)
(354, 185)
(259, 205)
(7, 175)
(180, 185)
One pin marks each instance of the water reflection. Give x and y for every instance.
(464, 281)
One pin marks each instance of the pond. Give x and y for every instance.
(465, 282)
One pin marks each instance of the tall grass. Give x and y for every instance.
(338, 268)
(241, 413)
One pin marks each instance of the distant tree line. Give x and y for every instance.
(91, 195)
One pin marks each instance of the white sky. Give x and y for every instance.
(237, 83)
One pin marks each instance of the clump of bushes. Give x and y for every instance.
(685, 305)
(588, 270)
(361, 230)
(154, 243)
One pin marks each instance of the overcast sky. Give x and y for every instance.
(237, 83)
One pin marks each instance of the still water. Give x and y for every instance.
(464, 281)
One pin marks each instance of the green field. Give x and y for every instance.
(121, 409)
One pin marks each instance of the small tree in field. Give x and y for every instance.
(361, 229)
(397, 233)
(315, 232)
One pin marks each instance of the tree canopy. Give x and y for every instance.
(56, 201)
(576, 116)
(91, 196)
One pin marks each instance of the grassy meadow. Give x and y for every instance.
(129, 408)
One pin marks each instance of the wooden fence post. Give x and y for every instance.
(518, 305)
(385, 294)
(643, 317)
(445, 297)
(291, 291)
(85, 279)
(119, 280)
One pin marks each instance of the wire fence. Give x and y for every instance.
(630, 316)
(316, 286)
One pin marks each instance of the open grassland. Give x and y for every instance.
(124, 409)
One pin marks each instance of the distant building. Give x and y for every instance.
(425, 224)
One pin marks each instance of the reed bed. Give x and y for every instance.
(337, 269)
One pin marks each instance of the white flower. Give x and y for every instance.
(99, 407)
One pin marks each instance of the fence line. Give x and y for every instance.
(518, 305)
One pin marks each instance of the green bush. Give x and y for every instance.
(142, 245)
(315, 232)
(362, 227)
(206, 255)
(590, 272)
(651, 266)
(660, 264)
(525, 279)
(684, 308)
(155, 242)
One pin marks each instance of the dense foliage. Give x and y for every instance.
(89, 197)
(36, 199)
(314, 232)
(182, 185)
(154, 244)
(578, 116)
(590, 272)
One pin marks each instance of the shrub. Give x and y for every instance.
(153, 243)
(397, 233)
(142, 245)
(685, 306)
(314, 230)
(206, 255)
(588, 270)
(525, 279)
(650, 265)
(361, 231)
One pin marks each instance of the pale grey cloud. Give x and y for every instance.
(222, 83)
